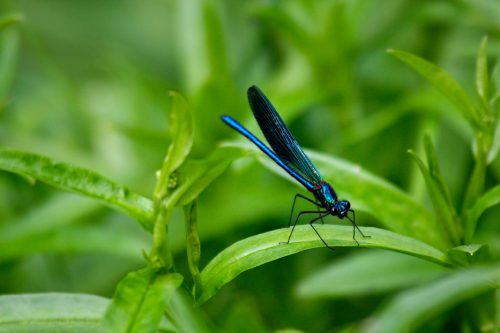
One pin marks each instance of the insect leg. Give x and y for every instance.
(317, 233)
(293, 206)
(297, 219)
(355, 226)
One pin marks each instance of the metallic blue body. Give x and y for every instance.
(287, 153)
(238, 127)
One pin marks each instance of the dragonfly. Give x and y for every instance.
(287, 153)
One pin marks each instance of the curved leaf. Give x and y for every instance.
(414, 307)
(260, 249)
(357, 275)
(201, 173)
(79, 180)
(391, 206)
(482, 79)
(440, 79)
(446, 222)
(181, 132)
(487, 200)
(51, 312)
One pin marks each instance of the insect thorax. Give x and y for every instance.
(325, 194)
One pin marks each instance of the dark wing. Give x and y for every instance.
(279, 137)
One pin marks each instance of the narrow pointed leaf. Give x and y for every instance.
(181, 133)
(440, 79)
(416, 306)
(444, 221)
(357, 275)
(454, 226)
(466, 255)
(482, 79)
(487, 200)
(201, 173)
(263, 248)
(78, 180)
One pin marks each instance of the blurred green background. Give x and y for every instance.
(86, 82)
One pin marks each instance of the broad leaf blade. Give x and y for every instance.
(140, 300)
(440, 79)
(414, 307)
(260, 249)
(51, 312)
(357, 275)
(78, 180)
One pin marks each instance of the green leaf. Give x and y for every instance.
(487, 200)
(51, 312)
(181, 132)
(215, 42)
(140, 300)
(366, 192)
(482, 80)
(80, 239)
(9, 45)
(465, 255)
(476, 184)
(260, 249)
(416, 306)
(186, 317)
(453, 225)
(356, 275)
(444, 221)
(201, 173)
(78, 180)
(7, 20)
(58, 211)
(440, 79)
(193, 178)
(495, 146)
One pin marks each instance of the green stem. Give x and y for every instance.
(192, 239)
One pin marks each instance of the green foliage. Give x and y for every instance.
(67, 92)
(51, 312)
(356, 275)
(415, 306)
(257, 250)
(139, 301)
(78, 180)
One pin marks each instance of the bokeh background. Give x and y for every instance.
(86, 82)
